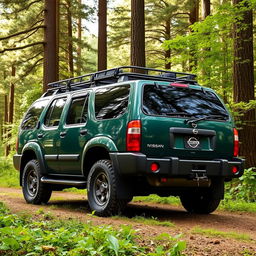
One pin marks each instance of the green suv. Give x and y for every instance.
(128, 131)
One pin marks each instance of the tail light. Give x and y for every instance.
(236, 142)
(133, 136)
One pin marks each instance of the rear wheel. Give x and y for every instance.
(34, 191)
(199, 203)
(102, 189)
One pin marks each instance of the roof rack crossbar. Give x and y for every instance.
(114, 75)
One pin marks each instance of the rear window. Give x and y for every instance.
(165, 100)
(31, 119)
(111, 102)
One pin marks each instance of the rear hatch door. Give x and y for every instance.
(185, 122)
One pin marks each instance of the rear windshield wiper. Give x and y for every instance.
(178, 114)
(195, 120)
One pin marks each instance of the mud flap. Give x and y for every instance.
(217, 188)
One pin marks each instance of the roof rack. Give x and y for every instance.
(119, 74)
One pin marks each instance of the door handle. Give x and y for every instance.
(83, 132)
(40, 135)
(63, 134)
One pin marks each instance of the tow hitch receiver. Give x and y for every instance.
(199, 175)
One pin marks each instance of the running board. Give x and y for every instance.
(75, 183)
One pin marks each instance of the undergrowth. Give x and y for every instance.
(147, 221)
(218, 233)
(9, 177)
(21, 235)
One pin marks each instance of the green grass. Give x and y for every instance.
(46, 235)
(9, 177)
(157, 199)
(237, 206)
(75, 190)
(221, 234)
(147, 221)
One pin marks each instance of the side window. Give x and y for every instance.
(77, 113)
(54, 112)
(111, 102)
(30, 120)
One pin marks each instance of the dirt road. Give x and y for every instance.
(75, 206)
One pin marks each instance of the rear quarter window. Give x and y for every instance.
(111, 102)
(32, 116)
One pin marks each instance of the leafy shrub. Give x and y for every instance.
(21, 236)
(244, 188)
(9, 177)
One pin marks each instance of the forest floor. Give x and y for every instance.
(220, 233)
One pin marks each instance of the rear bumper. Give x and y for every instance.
(16, 161)
(138, 164)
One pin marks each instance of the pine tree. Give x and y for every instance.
(137, 33)
(243, 75)
(102, 34)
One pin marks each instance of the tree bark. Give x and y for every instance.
(167, 37)
(6, 121)
(193, 17)
(138, 33)
(102, 35)
(10, 114)
(206, 8)
(70, 41)
(51, 42)
(206, 11)
(243, 76)
(79, 37)
(11, 99)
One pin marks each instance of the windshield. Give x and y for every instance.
(165, 100)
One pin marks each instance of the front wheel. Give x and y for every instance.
(199, 203)
(102, 189)
(34, 191)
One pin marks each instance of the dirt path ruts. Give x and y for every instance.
(75, 206)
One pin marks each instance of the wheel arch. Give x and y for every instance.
(31, 151)
(96, 149)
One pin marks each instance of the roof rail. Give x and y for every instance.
(119, 74)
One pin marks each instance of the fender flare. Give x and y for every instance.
(100, 141)
(35, 147)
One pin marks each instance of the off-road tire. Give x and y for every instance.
(199, 203)
(34, 191)
(102, 186)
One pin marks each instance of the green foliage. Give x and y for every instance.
(9, 177)
(231, 205)
(157, 199)
(147, 221)
(245, 187)
(218, 233)
(21, 236)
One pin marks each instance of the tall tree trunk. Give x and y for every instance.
(167, 37)
(206, 11)
(79, 37)
(11, 99)
(193, 17)
(10, 112)
(51, 42)
(243, 75)
(6, 121)
(102, 35)
(206, 8)
(70, 41)
(137, 33)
